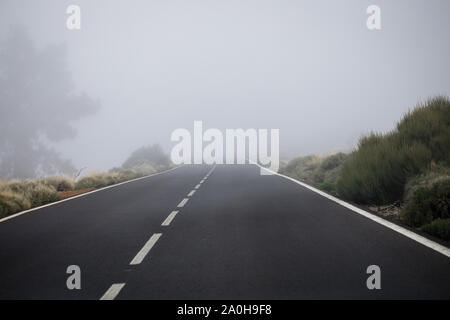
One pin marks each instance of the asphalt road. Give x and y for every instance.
(240, 235)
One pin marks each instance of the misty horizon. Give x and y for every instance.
(311, 69)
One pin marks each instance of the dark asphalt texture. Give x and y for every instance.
(240, 236)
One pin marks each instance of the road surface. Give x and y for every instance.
(239, 235)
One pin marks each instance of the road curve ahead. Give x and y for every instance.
(204, 232)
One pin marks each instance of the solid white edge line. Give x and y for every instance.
(183, 202)
(169, 218)
(407, 233)
(113, 291)
(145, 249)
(84, 194)
(191, 193)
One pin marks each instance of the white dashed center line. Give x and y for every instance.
(145, 249)
(113, 291)
(182, 203)
(169, 218)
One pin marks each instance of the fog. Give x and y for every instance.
(309, 68)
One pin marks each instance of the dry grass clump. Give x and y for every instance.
(18, 195)
(117, 175)
(100, 180)
(319, 171)
(60, 183)
(11, 202)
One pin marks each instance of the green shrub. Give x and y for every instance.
(376, 173)
(436, 173)
(425, 204)
(328, 187)
(333, 161)
(439, 228)
(429, 124)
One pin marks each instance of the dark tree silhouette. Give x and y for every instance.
(37, 104)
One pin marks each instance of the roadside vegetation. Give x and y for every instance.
(18, 195)
(321, 172)
(405, 172)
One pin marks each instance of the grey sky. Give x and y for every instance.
(310, 68)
